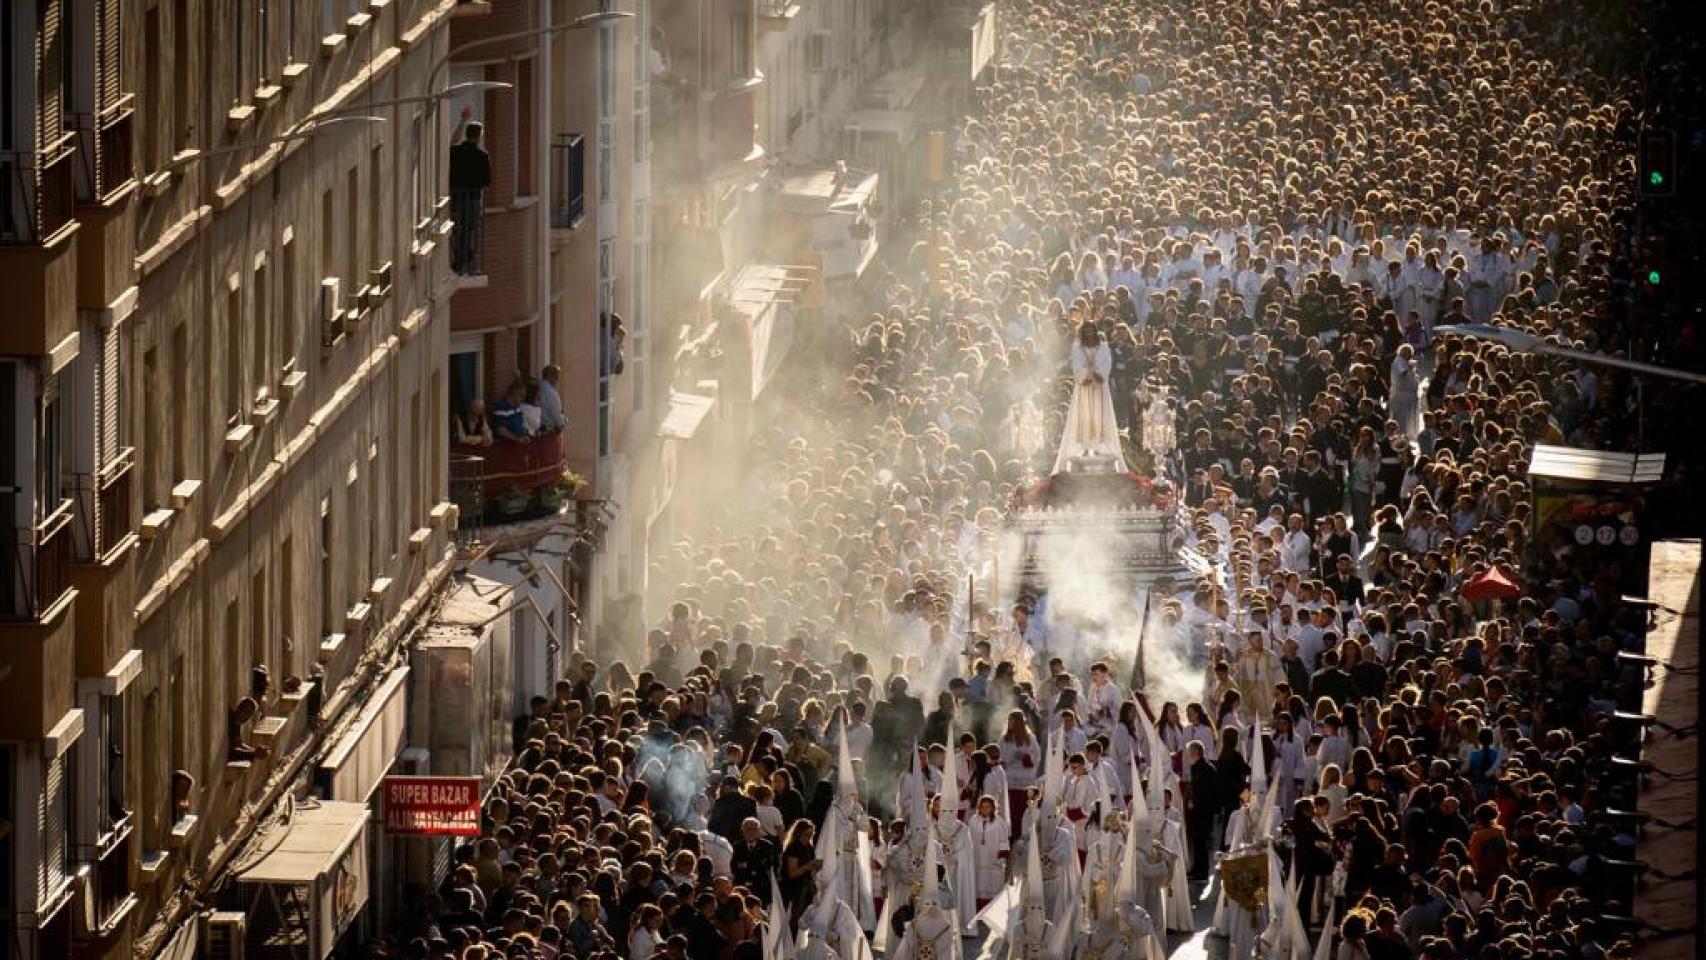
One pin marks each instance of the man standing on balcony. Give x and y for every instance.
(550, 401)
(470, 175)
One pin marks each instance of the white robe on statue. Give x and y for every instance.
(1092, 429)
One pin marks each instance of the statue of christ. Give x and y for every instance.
(1092, 430)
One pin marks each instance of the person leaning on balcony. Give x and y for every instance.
(508, 420)
(470, 175)
(550, 400)
(472, 428)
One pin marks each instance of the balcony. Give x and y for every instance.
(41, 566)
(568, 181)
(103, 508)
(104, 146)
(508, 482)
(37, 193)
(110, 889)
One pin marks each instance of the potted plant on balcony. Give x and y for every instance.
(573, 484)
(513, 501)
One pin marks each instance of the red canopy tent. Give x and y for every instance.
(1490, 584)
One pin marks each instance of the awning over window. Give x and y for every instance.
(686, 412)
(314, 842)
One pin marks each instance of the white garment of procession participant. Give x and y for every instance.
(1178, 914)
(853, 847)
(1096, 899)
(957, 847)
(1029, 928)
(831, 920)
(1128, 934)
(1092, 428)
(991, 851)
(934, 933)
(1405, 405)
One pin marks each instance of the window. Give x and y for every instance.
(234, 353)
(376, 505)
(51, 448)
(419, 203)
(375, 207)
(524, 181)
(465, 379)
(55, 814)
(180, 360)
(102, 770)
(352, 250)
(328, 583)
(239, 78)
(287, 280)
(234, 658)
(183, 127)
(260, 345)
(153, 93)
(417, 459)
(291, 663)
(568, 180)
(435, 403)
(152, 429)
(740, 43)
(328, 239)
(260, 638)
(263, 38)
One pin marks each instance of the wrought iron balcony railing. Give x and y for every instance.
(37, 192)
(40, 558)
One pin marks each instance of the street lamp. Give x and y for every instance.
(300, 133)
(598, 18)
(444, 94)
(1524, 342)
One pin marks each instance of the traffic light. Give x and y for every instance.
(1657, 163)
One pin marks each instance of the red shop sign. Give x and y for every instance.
(433, 806)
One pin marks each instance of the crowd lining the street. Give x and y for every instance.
(1266, 211)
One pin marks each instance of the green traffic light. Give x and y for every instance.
(1656, 178)
(1653, 277)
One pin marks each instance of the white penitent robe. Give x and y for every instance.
(1154, 872)
(833, 921)
(1028, 934)
(991, 852)
(1405, 406)
(932, 935)
(1126, 934)
(1060, 870)
(1092, 429)
(962, 867)
(1178, 915)
(853, 865)
(1101, 876)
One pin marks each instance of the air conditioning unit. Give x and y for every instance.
(331, 312)
(415, 762)
(225, 935)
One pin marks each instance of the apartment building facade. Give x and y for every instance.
(225, 458)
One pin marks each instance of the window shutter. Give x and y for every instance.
(50, 70)
(106, 397)
(53, 806)
(108, 56)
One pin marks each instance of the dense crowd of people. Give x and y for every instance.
(831, 746)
